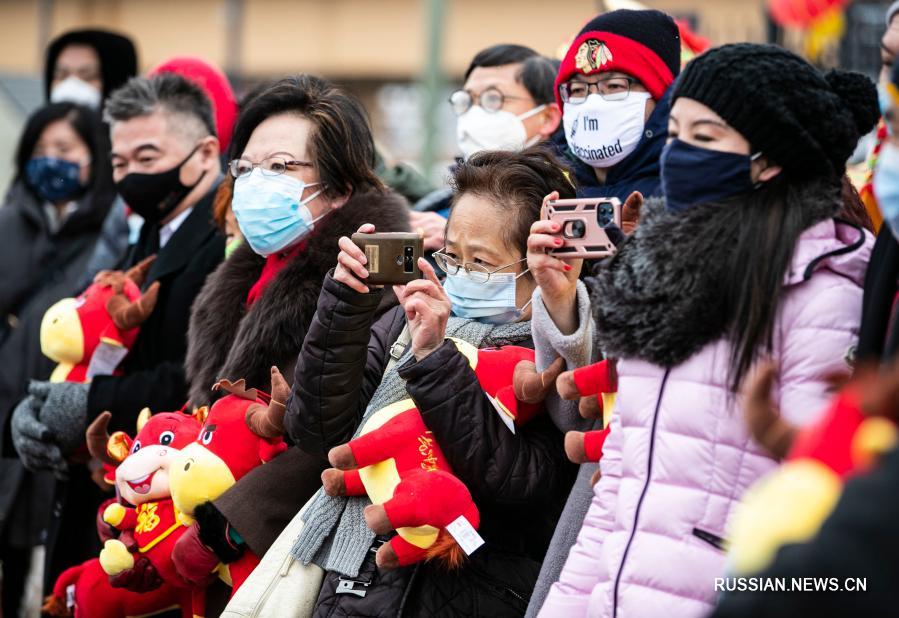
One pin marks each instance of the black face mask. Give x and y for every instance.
(154, 196)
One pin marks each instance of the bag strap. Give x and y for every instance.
(399, 347)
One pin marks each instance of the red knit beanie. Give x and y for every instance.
(214, 84)
(642, 44)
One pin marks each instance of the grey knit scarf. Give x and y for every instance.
(334, 534)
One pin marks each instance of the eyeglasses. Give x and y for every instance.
(476, 272)
(273, 166)
(610, 89)
(491, 100)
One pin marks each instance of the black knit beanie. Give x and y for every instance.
(801, 119)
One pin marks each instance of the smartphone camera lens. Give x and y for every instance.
(408, 259)
(575, 229)
(605, 215)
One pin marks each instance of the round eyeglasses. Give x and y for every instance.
(491, 100)
(476, 272)
(272, 166)
(610, 89)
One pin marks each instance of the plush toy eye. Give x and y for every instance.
(136, 447)
(166, 437)
(206, 436)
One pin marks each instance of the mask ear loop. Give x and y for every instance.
(752, 159)
(527, 304)
(528, 114)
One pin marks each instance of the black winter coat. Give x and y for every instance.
(229, 340)
(154, 369)
(519, 485)
(37, 268)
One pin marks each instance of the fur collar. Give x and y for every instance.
(225, 340)
(659, 299)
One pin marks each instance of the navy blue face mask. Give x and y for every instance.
(53, 179)
(693, 175)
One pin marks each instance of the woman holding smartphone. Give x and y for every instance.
(518, 480)
(743, 259)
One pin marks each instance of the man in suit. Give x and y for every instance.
(165, 157)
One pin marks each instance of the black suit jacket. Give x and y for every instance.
(154, 369)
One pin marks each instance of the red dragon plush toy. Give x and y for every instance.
(140, 469)
(91, 334)
(790, 504)
(241, 431)
(397, 462)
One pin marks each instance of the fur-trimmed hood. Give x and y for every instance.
(228, 340)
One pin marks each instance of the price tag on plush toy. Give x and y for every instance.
(106, 358)
(465, 534)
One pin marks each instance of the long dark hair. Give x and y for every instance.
(770, 221)
(87, 124)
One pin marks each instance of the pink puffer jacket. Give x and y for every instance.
(679, 458)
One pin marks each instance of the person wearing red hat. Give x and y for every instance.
(216, 86)
(611, 88)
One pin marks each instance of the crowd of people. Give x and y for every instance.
(742, 243)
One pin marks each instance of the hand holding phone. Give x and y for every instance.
(390, 257)
(587, 226)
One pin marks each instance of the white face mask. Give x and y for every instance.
(78, 91)
(477, 130)
(602, 133)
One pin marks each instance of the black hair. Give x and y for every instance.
(516, 182)
(118, 57)
(171, 92)
(537, 73)
(86, 123)
(770, 221)
(340, 143)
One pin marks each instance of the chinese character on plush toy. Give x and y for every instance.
(397, 462)
(91, 334)
(242, 431)
(139, 469)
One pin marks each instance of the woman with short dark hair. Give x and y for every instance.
(517, 480)
(49, 223)
(302, 159)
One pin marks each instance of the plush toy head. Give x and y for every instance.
(142, 465)
(227, 447)
(109, 311)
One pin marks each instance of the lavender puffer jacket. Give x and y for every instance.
(679, 458)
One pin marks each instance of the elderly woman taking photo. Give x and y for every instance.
(343, 377)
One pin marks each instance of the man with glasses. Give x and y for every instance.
(505, 103)
(612, 88)
(165, 158)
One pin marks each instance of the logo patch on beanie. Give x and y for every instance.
(592, 55)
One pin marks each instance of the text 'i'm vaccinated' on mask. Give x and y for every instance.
(491, 301)
(54, 180)
(270, 212)
(477, 130)
(692, 175)
(602, 133)
(154, 196)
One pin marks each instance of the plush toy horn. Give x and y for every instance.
(126, 314)
(97, 437)
(268, 421)
(138, 272)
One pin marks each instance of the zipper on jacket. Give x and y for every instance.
(652, 441)
(711, 538)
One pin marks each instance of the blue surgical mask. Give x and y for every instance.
(269, 211)
(886, 185)
(54, 180)
(693, 175)
(491, 302)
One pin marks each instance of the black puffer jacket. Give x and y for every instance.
(519, 485)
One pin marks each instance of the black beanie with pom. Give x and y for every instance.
(804, 120)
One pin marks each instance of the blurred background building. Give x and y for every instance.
(401, 57)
